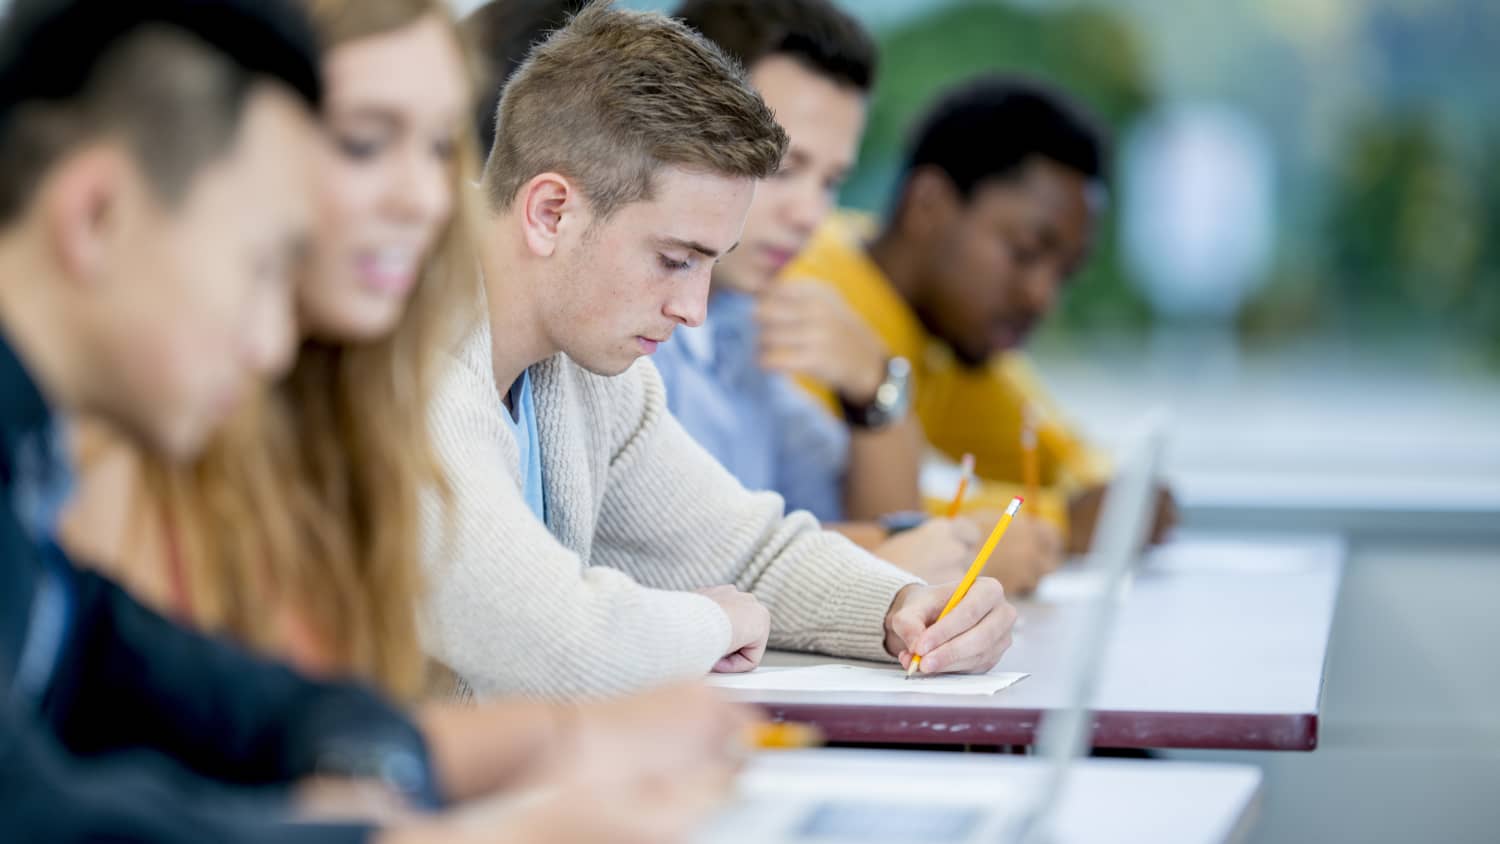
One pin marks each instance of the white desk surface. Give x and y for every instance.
(1104, 800)
(1379, 493)
(1358, 504)
(1298, 439)
(1220, 643)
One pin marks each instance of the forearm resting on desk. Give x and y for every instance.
(503, 745)
(478, 750)
(884, 471)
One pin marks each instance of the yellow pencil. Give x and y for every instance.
(1031, 468)
(963, 487)
(768, 735)
(974, 569)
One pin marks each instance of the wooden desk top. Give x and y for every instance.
(1220, 644)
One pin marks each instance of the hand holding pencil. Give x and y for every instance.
(962, 590)
(961, 627)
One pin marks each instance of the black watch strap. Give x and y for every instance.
(862, 416)
(890, 402)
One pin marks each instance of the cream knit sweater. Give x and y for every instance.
(597, 601)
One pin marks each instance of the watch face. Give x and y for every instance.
(891, 398)
(892, 395)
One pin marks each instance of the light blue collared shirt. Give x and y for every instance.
(760, 425)
(523, 424)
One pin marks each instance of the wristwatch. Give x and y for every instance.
(892, 398)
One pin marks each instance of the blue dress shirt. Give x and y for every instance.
(765, 430)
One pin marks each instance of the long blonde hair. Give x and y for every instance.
(312, 495)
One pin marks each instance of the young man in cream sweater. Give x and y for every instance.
(592, 545)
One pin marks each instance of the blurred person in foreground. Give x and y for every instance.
(296, 531)
(153, 206)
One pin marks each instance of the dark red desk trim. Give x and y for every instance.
(953, 725)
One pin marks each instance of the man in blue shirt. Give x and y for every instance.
(765, 430)
(728, 380)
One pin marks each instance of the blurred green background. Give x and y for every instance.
(1380, 119)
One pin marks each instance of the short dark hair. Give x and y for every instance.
(501, 34)
(616, 95)
(815, 32)
(170, 77)
(989, 127)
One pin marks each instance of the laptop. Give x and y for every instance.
(875, 797)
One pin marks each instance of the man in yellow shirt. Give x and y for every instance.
(995, 213)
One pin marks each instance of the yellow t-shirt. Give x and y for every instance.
(980, 411)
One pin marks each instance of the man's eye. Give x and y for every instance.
(674, 265)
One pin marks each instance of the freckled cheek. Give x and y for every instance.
(590, 313)
(629, 298)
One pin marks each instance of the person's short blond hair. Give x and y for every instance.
(616, 95)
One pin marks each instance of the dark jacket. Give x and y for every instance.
(115, 723)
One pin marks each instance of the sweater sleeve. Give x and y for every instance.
(674, 518)
(511, 609)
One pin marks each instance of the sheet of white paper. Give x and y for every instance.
(855, 678)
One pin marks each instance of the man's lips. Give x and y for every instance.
(650, 344)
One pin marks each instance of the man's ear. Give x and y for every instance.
(929, 204)
(550, 204)
(84, 203)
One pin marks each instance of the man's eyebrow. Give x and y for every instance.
(695, 246)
